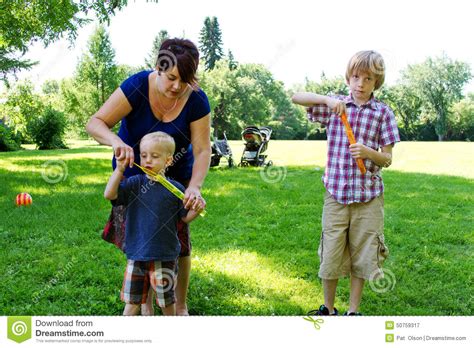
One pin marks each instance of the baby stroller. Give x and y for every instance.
(256, 143)
(221, 148)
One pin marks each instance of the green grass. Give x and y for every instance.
(255, 253)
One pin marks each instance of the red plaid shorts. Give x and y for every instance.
(140, 275)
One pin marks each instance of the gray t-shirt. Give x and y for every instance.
(152, 216)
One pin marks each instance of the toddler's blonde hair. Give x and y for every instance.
(165, 141)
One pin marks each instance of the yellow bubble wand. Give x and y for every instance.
(169, 186)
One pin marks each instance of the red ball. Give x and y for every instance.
(23, 199)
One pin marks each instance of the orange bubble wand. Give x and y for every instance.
(352, 140)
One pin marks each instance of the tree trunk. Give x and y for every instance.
(441, 125)
(216, 120)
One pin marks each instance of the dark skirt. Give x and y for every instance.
(114, 231)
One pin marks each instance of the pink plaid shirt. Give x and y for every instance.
(374, 126)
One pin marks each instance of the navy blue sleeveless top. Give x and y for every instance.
(141, 121)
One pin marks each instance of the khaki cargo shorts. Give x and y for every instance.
(352, 240)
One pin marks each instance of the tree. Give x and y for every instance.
(150, 60)
(50, 87)
(24, 22)
(9, 141)
(406, 105)
(98, 67)
(23, 105)
(52, 94)
(232, 62)
(249, 95)
(47, 130)
(327, 86)
(211, 42)
(95, 78)
(462, 122)
(439, 84)
(218, 84)
(288, 120)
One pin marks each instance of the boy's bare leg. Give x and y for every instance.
(181, 291)
(169, 310)
(357, 285)
(147, 308)
(329, 287)
(131, 309)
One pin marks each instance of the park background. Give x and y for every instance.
(255, 252)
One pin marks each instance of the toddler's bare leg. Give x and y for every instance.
(131, 309)
(147, 308)
(169, 310)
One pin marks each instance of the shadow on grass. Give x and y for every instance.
(215, 293)
(56, 153)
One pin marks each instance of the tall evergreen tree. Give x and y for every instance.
(150, 60)
(211, 42)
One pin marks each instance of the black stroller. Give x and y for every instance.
(221, 148)
(256, 143)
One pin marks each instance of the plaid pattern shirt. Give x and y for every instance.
(374, 126)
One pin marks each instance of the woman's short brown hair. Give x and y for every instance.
(367, 61)
(182, 53)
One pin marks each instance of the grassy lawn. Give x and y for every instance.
(255, 253)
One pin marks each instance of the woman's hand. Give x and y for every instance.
(124, 153)
(193, 199)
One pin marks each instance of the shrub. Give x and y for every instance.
(317, 134)
(426, 132)
(48, 130)
(8, 140)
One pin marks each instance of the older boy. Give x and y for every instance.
(352, 240)
(151, 243)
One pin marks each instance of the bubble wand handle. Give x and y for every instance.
(352, 140)
(169, 186)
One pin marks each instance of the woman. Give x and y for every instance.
(166, 99)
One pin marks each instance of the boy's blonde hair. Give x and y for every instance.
(165, 141)
(367, 61)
